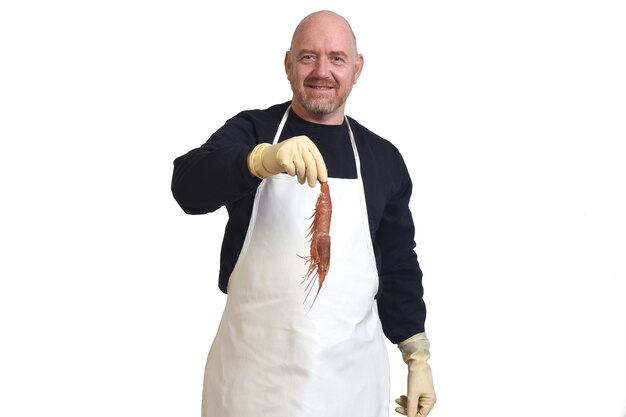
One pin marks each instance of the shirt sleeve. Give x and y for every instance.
(400, 305)
(216, 173)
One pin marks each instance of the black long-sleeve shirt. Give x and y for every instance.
(216, 175)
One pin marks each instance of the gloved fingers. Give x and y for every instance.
(286, 163)
(423, 412)
(418, 405)
(426, 404)
(285, 156)
(297, 156)
(412, 402)
(402, 403)
(322, 172)
(401, 410)
(300, 167)
(311, 168)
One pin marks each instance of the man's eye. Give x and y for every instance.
(308, 57)
(337, 59)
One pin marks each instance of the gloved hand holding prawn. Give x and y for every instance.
(297, 156)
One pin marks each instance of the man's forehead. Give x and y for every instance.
(324, 42)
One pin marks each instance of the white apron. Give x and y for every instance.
(276, 356)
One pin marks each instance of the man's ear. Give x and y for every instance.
(288, 63)
(358, 67)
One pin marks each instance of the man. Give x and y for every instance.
(276, 354)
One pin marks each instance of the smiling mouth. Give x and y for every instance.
(321, 87)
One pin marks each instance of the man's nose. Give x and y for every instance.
(322, 68)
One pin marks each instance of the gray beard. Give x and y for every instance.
(319, 107)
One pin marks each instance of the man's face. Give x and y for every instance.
(322, 67)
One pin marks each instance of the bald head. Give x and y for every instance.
(322, 19)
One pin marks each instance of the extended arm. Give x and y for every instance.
(216, 173)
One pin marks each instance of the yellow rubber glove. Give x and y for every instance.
(420, 397)
(295, 156)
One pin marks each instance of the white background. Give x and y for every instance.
(510, 115)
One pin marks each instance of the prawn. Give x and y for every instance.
(319, 232)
